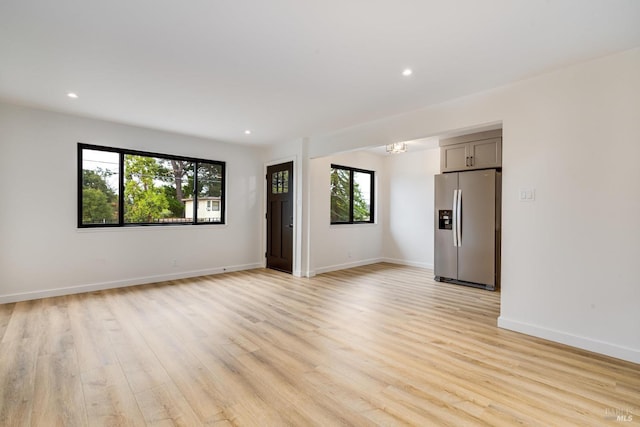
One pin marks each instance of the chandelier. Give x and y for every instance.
(397, 147)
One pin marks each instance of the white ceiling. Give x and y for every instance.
(287, 68)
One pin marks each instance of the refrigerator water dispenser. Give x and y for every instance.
(445, 219)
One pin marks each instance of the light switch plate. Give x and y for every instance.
(527, 194)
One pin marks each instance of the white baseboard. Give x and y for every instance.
(25, 296)
(408, 263)
(602, 347)
(337, 267)
(308, 273)
(353, 264)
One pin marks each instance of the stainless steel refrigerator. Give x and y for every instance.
(467, 229)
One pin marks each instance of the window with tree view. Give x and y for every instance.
(122, 187)
(352, 195)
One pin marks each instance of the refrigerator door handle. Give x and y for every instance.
(458, 220)
(455, 218)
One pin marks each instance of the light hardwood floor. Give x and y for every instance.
(376, 345)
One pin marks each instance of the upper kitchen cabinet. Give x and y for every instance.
(481, 150)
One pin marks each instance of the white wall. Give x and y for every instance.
(570, 257)
(43, 253)
(333, 247)
(408, 236)
(569, 264)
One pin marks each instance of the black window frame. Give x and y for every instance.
(121, 177)
(372, 175)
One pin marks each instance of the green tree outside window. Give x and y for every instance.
(351, 195)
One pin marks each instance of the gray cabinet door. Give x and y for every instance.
(485, 154)
(453, 157)
(445, 254)
(476, 254)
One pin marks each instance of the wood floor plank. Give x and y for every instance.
(25, 322)
(18, 359)
(109, 399)
(189, 375)
(166, 405)
(374, 345)
(57, 336)
(6, 311)
(58, 396)
(93, 348)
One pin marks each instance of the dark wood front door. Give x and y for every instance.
(280, 217)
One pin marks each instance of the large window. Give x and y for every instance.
(352, 195)
(123, 187)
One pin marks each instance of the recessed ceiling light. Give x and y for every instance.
(247, 132)
(407, 72)
(72, 95)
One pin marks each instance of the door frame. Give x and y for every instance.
(297, 233)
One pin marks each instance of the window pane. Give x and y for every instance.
(340, 183)
(178, 188)
(154, 190)
(285, 181)
(209, 192)
(274, 183)
(100, 171)
(361, 196)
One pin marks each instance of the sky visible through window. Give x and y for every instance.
(105, 160)
(363, 181)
